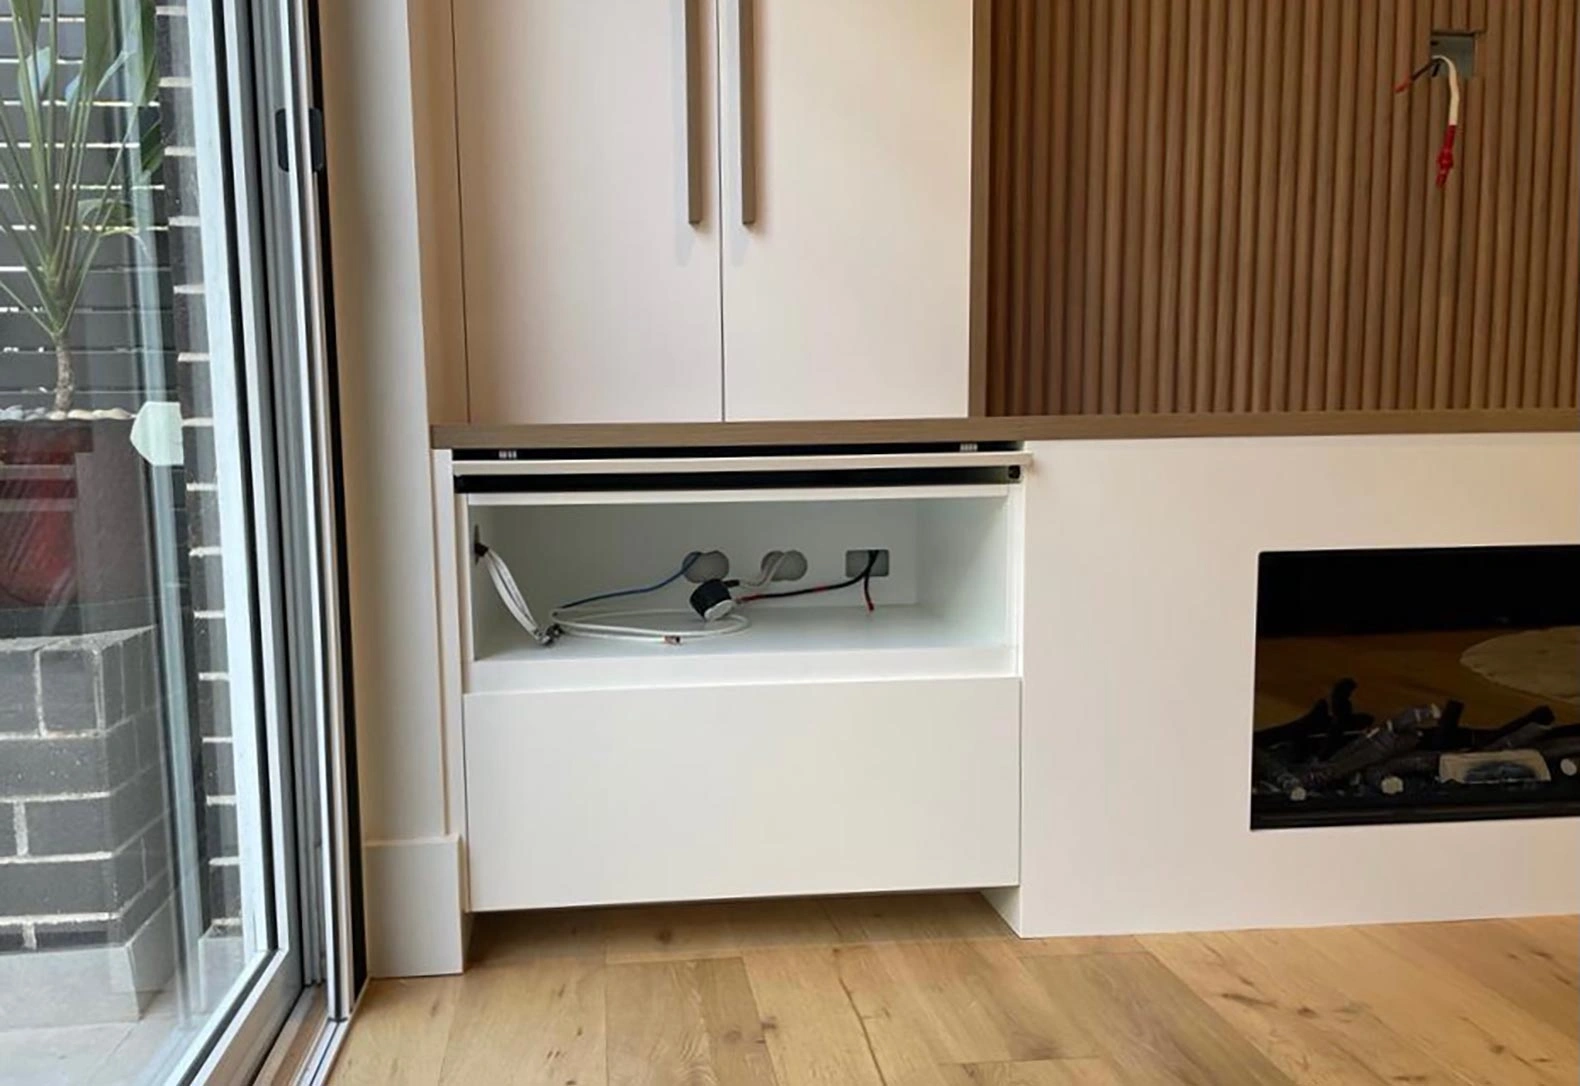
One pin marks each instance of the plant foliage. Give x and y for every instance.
(54, 216)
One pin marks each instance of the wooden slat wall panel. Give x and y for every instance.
(1198, 206)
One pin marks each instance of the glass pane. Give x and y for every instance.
(134, 896)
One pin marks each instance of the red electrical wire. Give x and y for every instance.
(1445, 153)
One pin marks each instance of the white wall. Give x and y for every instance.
(1140, 624)
(411, 848)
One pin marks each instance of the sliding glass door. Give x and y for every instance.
(172, 804)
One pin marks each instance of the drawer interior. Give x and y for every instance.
(943, 599)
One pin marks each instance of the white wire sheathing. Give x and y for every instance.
(510, 595)
(619, 626)
(609, 625)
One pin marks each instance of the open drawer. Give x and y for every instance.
(694, 792)
(944, 602)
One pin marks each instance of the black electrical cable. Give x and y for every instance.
(864, 575)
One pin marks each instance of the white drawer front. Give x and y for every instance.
(680, 793)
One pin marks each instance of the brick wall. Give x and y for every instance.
(84, 857)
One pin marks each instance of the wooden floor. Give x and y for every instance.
(934, 990)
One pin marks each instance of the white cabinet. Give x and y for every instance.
(865, 738)
(697, 210)
(590, 296)
(847, 297)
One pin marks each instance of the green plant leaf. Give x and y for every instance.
(141, 64)
(151, 149)
(99, 52)
(107, 215)
(39, 64)
(25, 17)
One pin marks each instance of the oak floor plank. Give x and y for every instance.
(915, 917)
(1312, 1032)
(1557, 936)
(740, 1050)
(684, 1022)
(813, 1032)
(1501, 957)
(1063, 946)
(399, 1033)
(1035, 1073)
(1149, 1025)
(1465, 1026)
(933, 990)
(713, 929)
(925, 1004)
(535, 1024)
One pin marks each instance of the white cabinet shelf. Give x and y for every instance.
(782, 645)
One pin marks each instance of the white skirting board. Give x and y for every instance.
(1140, 623)
(413, 888)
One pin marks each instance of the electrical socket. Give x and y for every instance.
(856, 561)
(709, 566)
(791, 565)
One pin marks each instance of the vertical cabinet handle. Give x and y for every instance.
(746, 58)
(691, 32)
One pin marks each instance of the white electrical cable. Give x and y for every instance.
(510, 595)
(1453, 88)
(673, 634)
(573, 620)
(770, 568)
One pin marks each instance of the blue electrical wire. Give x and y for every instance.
(665, 583)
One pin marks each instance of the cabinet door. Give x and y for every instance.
(847, 297)
(586, 145)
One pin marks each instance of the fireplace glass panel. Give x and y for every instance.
(1422, 684)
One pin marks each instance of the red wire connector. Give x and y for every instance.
(1445, 153)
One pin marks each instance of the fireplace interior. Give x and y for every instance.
(1410, 685)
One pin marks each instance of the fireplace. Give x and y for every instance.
(1416, 684)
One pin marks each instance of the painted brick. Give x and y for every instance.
(11, 939)
(7, 829)
(219, 769)
(225, 889)
(219, 825)
(69, 886)
(139, 671)
(208, 643)
(66, 826)
(189, 331)
(203, 514)
(197, 443)
(137, 803)
(69, 690)
(53, 766)
(141, 907)
(156, 850)
(213, 706)
(18, 691)
(149, 734)
(112, 684)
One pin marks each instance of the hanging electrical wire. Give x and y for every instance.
(1445, 153)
